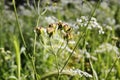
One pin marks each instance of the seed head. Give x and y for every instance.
(67, 28)
(50, 31)
(68, 36)
(39, 30)
(60, 25)
(53, 25)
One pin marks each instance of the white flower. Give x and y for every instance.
(107, 47)
(81, 73)
(93, 24)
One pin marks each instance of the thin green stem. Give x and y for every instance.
(35, 5)
(33, 59)
(94, 72)
(61, 52)
(57, 64)
(56, 58)
(90, 16)
(34, 46)
(64, 47)
(59, 48)
(54, 73)
(69, 56)
(92, 13)
(34, 52)
(111, 68)
(21, 34)
(71, 53)
(18, 59)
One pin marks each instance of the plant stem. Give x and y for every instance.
(33, 59)
(71, 54)
(94, 72)
(18, 59)
(92, 12)
(54, 73)
(21, 34)
(56, 57)
(111, 68)
(34, 47)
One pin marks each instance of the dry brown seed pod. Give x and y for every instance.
(67, 28)
(68, 36)
(50, 31)
(52, 25)
(60, 25)
(39, 30)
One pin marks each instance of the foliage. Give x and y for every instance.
(67, 40)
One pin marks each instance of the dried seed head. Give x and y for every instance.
(68, 36)
(52, 25)
(39, 30)
(50, 31)
(67, 28)
(60, 25)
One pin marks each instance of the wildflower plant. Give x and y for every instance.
(56, 33)
(56, 38)
(82, 46)
(92, 25)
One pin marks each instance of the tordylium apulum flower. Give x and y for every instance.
(83, 21)
(66, 30)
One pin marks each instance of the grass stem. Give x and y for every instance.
(18, 59)
(111, 68)
(21, 34)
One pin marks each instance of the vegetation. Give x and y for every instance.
(64, 40)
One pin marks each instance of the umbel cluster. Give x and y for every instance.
(63, 28)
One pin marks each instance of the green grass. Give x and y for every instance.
(17, 55)
(60, 41)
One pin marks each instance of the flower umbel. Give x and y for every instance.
(93, 24)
